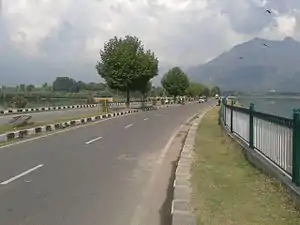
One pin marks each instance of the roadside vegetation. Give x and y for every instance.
(127, 69)
(228, 190)
(8, 127)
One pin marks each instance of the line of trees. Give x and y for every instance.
(177, 83)
(127, 68)
(126, 65)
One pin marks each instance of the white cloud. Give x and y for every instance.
(30, 21)
(286, 25)
(185, 32)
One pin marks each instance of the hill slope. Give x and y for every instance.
(256, 65)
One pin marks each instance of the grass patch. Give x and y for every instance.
(8, 128)
(228, 190)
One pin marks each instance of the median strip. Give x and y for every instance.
(64, 107)
(54, 127)
(19, 134)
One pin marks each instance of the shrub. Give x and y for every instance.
(18, 101)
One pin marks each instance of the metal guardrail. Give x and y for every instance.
(275, 138)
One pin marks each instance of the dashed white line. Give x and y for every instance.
(129, 125)
(21, 175)
(146, 119)
(93, 140)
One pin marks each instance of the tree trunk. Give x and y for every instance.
(127, 98)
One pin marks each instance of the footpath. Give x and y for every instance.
(216, 185)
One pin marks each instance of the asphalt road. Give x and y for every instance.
(91, 175)
(48, 116)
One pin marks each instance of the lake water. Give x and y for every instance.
(281, 106)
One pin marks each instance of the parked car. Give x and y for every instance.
(202, 99)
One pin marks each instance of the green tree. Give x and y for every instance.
(30, 87)
(120, 66)
(195, 89)
(144, 90)
(22, 87)
(148, 67)
(18, 101)
(215, 91)
(45, 85)
(64, 84)
(81, 86)
(175, 82)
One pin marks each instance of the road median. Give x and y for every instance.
(61, 123)
(227, 189)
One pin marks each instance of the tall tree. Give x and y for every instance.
(145, 89)
(175, 82)
(30, 87)
(119, 64)
(195, 89)
(45, 85)
(64, 84)
(148, 67)
(22, 87)
(215, 90)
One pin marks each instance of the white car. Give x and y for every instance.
(201, 100)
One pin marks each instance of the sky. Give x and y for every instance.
(43, 39)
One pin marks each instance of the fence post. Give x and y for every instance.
(296, 147)
(251, 133)
(221, 112)
(231, 117)
(224, 114)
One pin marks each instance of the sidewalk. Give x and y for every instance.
(227, 189)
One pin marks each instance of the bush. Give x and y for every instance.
(18, 101)
(90, 100)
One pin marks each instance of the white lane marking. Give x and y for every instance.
(146, 119)
(93, 140)
(129, 125)
(21, 175)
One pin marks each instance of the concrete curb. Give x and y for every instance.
(56, 108)
(182, 210)
(19, 134)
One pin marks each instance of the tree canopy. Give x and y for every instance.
(215, 90)
(175, 82)
(195, 89)
(64, 84)
(126, 66)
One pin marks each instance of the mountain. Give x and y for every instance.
(256, 65)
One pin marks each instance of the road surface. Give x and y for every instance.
(48, 116)
(91, 175)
